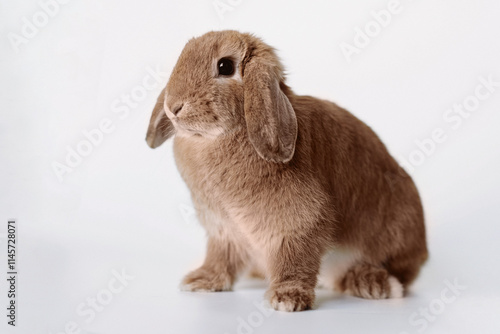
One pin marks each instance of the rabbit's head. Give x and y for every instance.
(224, 81)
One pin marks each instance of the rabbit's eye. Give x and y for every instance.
(225, 66)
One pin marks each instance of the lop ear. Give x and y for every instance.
(269, 115)
(160, 127)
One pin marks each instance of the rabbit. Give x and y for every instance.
(291, 188)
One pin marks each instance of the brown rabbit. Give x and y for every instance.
(292, 187)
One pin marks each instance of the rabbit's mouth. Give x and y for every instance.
(185, 131)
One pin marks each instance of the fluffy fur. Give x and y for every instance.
(285, 184)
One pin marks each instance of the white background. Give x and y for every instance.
(125, 207)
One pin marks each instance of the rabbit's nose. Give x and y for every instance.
(177, 108)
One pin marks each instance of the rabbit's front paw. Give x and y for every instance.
(290, 298)
(206, 280)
